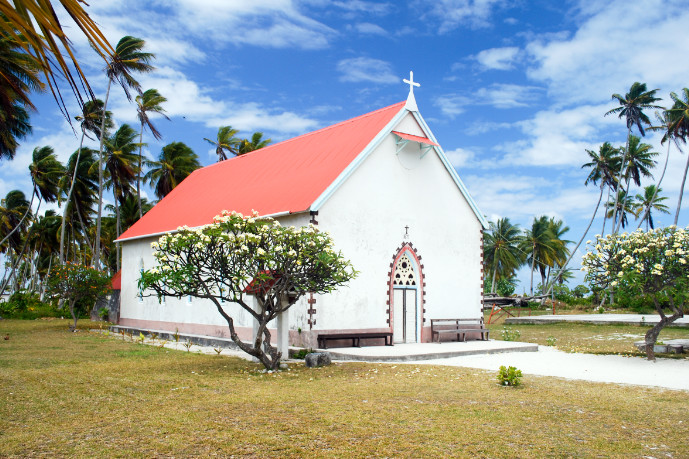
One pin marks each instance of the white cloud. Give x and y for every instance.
(558, 137)
(360, 6)
(498, 58)
(460, 157)
(367, 69)
(497, 95)
(617, 43)
(367, 28)
(452, 14)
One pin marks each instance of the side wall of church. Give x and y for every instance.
(367, 216)
(186, 315)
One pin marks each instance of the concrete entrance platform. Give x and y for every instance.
(426, 351)
(603, 319)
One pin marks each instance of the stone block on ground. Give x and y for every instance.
(317, 359)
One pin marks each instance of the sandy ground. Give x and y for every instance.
(548, 361)
(666, 373)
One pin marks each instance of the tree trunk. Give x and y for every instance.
(495, 274)
(619, 180)
(96, 257)
(69, 196)
(652, 334)
(75, 317)
(138, 175)
(533, 266)
(681, 191)
(117, 225)
(660, 180)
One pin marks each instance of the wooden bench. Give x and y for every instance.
(459, 327)
(323, 338)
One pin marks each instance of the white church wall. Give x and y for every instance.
(367, 216)
(184, 314)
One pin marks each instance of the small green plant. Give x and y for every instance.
(154, 336)
(600, 309)
(509, 334)
(103, 313)
(142, 337)
(187, 344)
(217, 350)
(550, 341)
(509, 376)
(162, 343)
(131, 336)
(301, 353)
(176, 335)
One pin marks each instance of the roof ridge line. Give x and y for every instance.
(332, 126)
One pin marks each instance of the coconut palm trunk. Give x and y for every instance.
(681, 191)
(96, 252)
(660, 180)
(69, 197)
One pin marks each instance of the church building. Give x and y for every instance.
(383, 188)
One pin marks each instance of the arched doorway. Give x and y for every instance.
(406, 296)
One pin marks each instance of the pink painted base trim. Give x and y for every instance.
(245, 333)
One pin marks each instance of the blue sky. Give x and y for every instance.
(515, 91)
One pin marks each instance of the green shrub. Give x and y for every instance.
(550, 341)
(509, 334)
(25, 305)
(509, 376)
(301, 353)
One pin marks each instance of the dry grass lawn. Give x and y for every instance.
(86, 394)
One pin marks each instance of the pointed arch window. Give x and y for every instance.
(404, 272)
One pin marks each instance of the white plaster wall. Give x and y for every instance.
(176, 310)
(366, 217)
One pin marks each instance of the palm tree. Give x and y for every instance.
(19, 75)
(650, 200)
(631, 108)
(679, 127)
(538, 245)
(256, 143)
(90, 120)
(83, 187)
(620, 208)
(127, 58)
(560, 252)
(46, 171)
(12, 207)
(34, 25)
(664, 125)
(604, 167)
(129, 211)
(121, 165)
(501, 248)
(149, 102)
(225, 142)
(14, 125)
(175, 163)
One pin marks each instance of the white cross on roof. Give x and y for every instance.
(411, 101)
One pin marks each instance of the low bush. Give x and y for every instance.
(509, 376)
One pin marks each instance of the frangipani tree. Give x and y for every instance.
(238, 256)
(653, 265)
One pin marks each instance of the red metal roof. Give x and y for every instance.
(415, 138)
(117, 280)
(286, 177)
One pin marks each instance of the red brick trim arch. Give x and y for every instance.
(408, 248)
